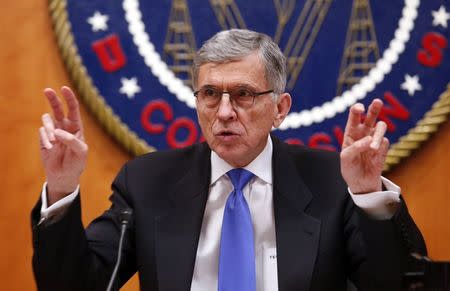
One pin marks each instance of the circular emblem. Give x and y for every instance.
(131, 62)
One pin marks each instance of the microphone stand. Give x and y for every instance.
(126, 216)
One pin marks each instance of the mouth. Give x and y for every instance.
(226, 134)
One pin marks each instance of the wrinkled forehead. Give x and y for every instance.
(246, 70)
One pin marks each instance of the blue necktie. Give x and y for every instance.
(237, 250)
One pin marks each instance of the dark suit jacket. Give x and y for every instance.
(322, 237)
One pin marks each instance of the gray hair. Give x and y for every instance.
(234, 44)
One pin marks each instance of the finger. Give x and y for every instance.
(353, 121)
(356, 148)
(72, 105)
(71, 141)
(383, 151)
(354, 116)
(372, 112)
(380, 130)
(44, 141)
(55, 103)
(49, 126)
(384, 146)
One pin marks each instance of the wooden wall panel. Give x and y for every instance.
(425, 182)
(29, 61)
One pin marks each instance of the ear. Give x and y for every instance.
(282, 108)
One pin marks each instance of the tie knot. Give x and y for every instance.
(239, 177)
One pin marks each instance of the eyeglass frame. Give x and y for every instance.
(254, 95)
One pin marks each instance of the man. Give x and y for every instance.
(288, 224)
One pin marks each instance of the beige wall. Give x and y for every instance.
(29, 61)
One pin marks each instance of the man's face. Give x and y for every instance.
(238, 135)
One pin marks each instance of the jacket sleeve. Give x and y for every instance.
(386, 247)
(68, 257)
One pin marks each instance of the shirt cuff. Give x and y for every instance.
(57, 208)
(375, 204)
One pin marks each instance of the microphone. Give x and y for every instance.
(125, 217)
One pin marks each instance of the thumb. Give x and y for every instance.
(356, 148)
(71, 141)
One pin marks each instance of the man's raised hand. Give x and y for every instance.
(364, 148)
(63, 150)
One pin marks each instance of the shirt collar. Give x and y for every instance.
(261, 166)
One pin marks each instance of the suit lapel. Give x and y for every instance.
(177, 232)
(297, 233)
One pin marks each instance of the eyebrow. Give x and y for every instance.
(240, 85)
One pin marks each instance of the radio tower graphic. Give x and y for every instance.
(284, 9)
(303, 35)
(227, 14)
(361, 48)
(179, 46)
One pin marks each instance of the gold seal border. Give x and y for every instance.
(424, 128)
(89, 94)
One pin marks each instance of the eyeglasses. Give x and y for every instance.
(240, 97)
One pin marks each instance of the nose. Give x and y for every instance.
(225, 110)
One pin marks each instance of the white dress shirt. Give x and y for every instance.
(259, 195)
